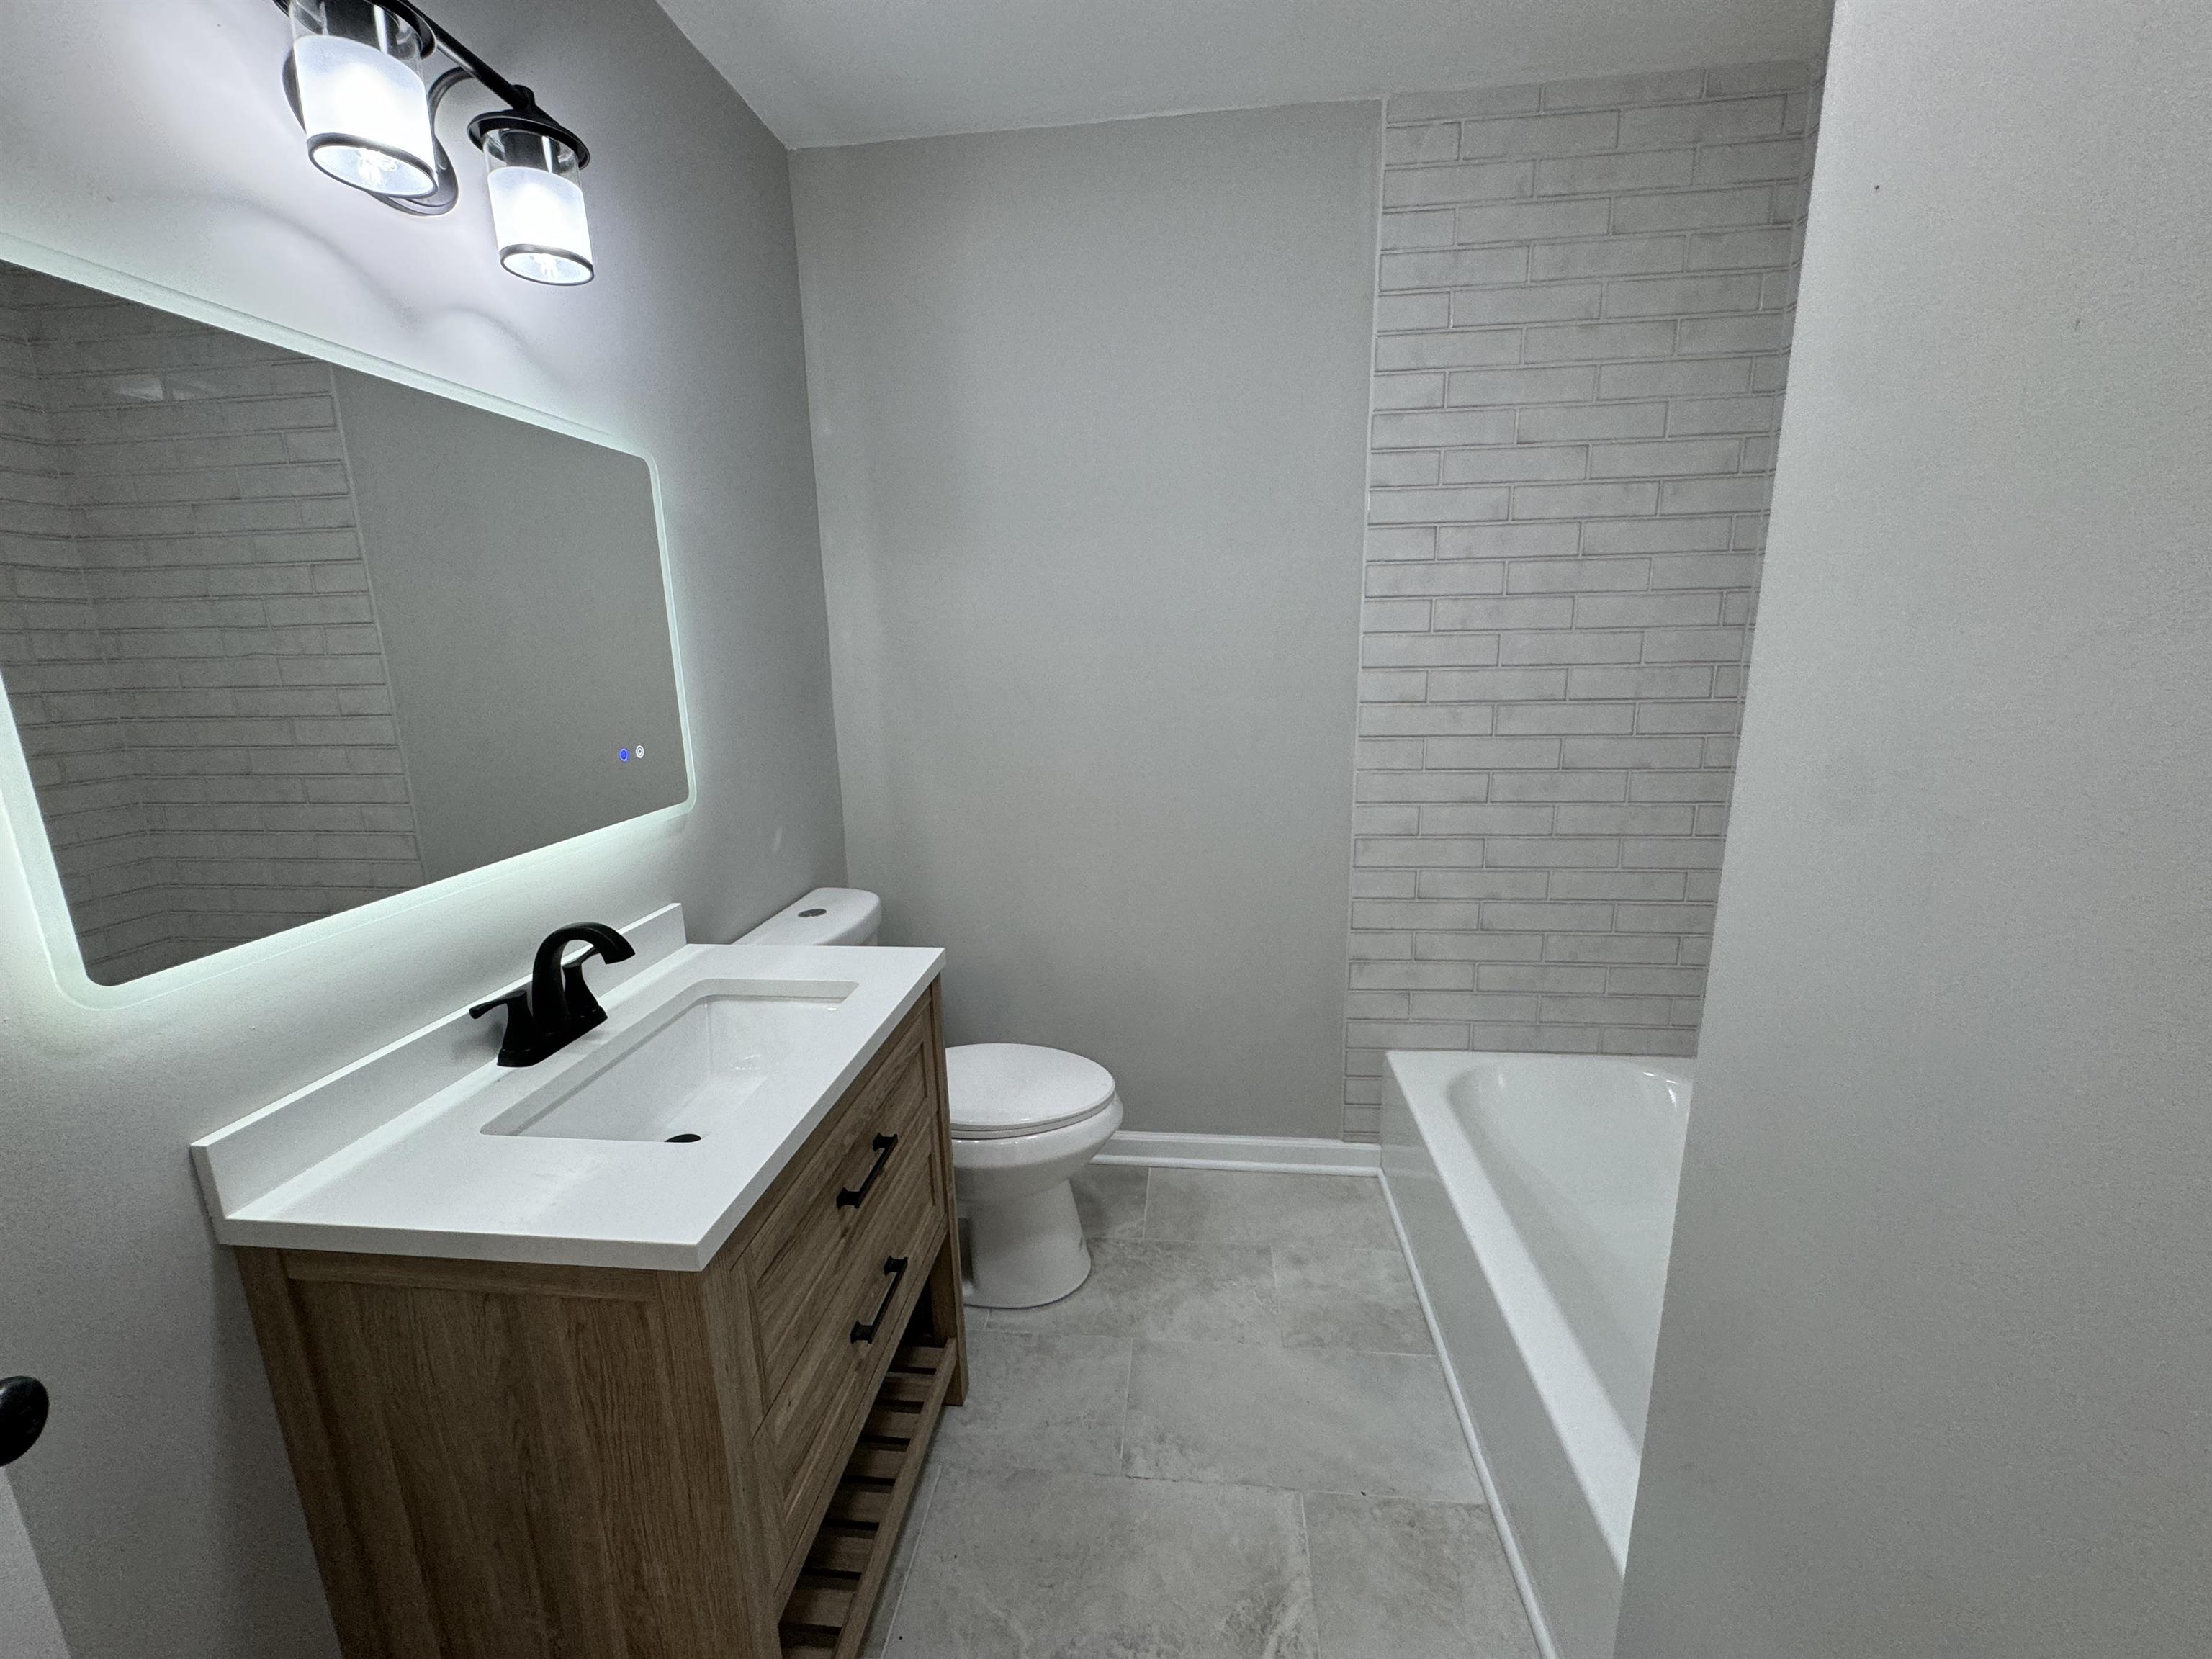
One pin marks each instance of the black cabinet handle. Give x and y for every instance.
(853, 1195)
(896, 1267)
(23, 1413)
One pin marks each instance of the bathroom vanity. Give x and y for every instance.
(636, 1352)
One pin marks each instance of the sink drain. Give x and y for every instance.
(678, 1139)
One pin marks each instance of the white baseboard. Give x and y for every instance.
(1278, 1154)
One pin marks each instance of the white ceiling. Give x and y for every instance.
(853, 71)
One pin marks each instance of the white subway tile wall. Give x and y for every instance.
(187, 631)
(1582, 320)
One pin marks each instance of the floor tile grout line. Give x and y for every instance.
(1364, 1493)
(1121, 1428)
(1313, 1590)
(1275, 1287)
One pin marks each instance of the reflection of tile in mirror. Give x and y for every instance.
(198, 657)
(191, 649)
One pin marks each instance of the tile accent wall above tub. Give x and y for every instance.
(1581, 332)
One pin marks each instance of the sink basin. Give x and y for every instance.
(686, 1074)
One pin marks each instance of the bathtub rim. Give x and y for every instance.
(1605, 1460)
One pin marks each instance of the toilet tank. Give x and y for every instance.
(828, 916)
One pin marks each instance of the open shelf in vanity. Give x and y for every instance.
(836, 1591)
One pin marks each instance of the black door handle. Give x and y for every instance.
(853, 1195)
(23, 1415)
(896, 1267)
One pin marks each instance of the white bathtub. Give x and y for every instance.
(1536, 1196)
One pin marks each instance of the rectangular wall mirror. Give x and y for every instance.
(282, 638)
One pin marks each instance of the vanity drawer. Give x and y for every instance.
(879, 1157)
(807, 1432)
(817, 1347)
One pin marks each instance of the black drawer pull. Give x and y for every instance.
(896, 1267)
(853, 1195)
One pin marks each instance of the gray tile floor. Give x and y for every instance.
(1234, 1440)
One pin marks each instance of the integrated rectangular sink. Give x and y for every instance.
(688, 1071)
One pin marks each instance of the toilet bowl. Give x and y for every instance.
(1025, 1120)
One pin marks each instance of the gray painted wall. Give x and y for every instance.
(159, 1500)
(1933, 1374)
(1089, 406)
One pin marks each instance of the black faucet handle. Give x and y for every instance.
(515, 1002)
(519, 1046)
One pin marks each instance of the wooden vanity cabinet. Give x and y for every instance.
(504, 1461)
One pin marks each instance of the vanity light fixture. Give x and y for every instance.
(354, 79)
(537, 207)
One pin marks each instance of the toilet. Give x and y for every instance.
(1025, 1120)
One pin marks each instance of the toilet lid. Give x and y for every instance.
(1001, 1089)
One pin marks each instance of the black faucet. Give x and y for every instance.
(558, 1007)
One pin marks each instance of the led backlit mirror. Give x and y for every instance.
(282, 638)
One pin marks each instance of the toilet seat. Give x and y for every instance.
(1001, 1089)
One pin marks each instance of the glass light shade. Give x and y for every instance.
(537, 207)
(361, 97)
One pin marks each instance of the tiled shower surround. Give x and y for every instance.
(187, 631)
(1581, 332)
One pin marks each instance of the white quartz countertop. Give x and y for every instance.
(391, 1155)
